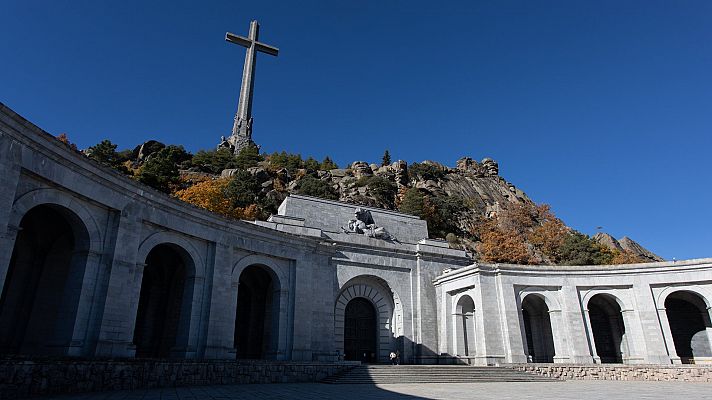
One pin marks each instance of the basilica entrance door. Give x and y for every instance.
(360, 331)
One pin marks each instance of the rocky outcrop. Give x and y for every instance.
(626, 244)
(632, 246)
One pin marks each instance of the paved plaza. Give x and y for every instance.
(583, 390)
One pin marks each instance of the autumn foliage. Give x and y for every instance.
(527, 233)
(211, 195)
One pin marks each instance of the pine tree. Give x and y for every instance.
(386, 159)
(327, 164)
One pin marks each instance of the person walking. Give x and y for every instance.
(393, 357)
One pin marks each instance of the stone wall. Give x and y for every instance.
(25, 378)
(686, 373)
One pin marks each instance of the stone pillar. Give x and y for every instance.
(89, 264)
(297, 337)
(633, 338)
(558, 333)
(652, 326)
(575, 325)
(10, 162)
(667, 335)
(186, 345)
(501, 340)
(223, 300)
(122, 295)
(591, 339)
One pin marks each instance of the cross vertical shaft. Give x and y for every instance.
(242, 125)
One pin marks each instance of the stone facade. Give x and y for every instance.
(120, 270)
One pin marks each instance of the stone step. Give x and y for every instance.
(392, 374)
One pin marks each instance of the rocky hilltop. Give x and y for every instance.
(470, 205)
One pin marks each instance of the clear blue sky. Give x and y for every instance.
(602, 109)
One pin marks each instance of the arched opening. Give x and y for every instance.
(690, 325)
(360, 331)
(40, 297)
(388, 319)
(608, 328)
(465, 326)
(537, 328)
(164, 303)
(257, 316)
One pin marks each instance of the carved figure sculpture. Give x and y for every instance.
(363, 224)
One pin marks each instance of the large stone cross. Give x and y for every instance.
(242, 127)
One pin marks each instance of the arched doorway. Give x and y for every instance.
(465, 326)
(608, 328)
(40, 297)
(164, 303)
(537, 328)
(389, 316)
(360, 331)
(690, 325)
(257, 317)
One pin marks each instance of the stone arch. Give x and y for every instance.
(50, 196)
(43, 292)
(260, 298)
(607, 327)
(169, 300)
(699, 291)
(538, 330)
(464, 326)
(690, 325)
(615, 294)
(257, 259)
(388, 308)
(552, 303)
(187, 248)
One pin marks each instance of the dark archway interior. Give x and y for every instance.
(466, 334)
(360, 331)
(41, 293)
(537, 326)
(608, 328)
(254, 319)
(160, 302)
(689, 320)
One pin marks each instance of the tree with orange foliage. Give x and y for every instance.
(62, 137)
(499, 244)
(549, 235)
(210, 195)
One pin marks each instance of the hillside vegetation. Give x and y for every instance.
(470, 205)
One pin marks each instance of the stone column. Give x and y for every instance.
(89, 264)
(122, 295)
(591, 339)
(633, 337)
(223, 300)
(667, 335)
(503, 337)
(10, 162)
(652, 326)
(297, 337)
(575, 325)
(558, 333)
(186, 345)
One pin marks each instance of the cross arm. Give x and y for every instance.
(265, 48)
(242, 41)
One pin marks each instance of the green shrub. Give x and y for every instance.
(311, 186)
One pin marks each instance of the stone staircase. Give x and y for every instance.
(385, 374)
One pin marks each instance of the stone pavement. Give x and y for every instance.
(583, 390)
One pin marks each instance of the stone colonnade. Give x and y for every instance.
(656, 313)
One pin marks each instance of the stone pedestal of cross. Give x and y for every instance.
(242, 126)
